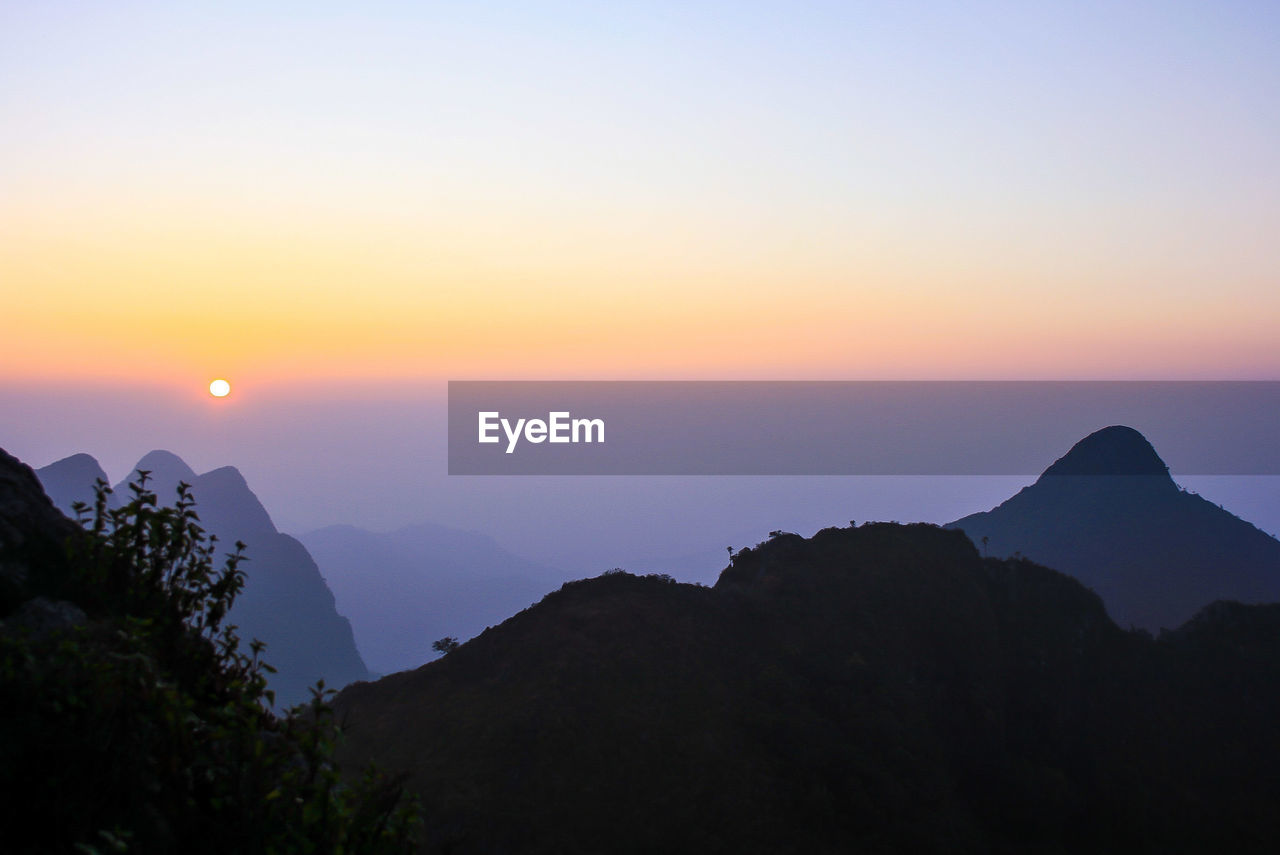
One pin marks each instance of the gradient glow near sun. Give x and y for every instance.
(219, 388)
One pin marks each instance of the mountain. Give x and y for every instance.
(33, 534)
(165, 469)
(71, 480)
(130, 723)
(285, 602)
(880, 689)
(1109, 514)
(404, 589)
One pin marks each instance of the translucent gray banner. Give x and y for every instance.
(849, 428)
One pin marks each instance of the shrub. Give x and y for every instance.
(145, 727)
(445, 645)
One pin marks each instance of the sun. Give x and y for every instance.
(219, 388)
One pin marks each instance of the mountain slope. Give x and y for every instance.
(285, 602)
(1109, 514)
(129, 723)
(877, 689)
(404, 589)
(71, 480)
(33, 537)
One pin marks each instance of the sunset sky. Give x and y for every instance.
(303, 195)
(340, 207)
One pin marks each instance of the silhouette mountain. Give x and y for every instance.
(33, 534)
(1115, 450)
(1109, 514)
(166, 470)
(285, 602)
(879, 689)
(404, 589)
(129, 721)
(227, 506)
(71, 480)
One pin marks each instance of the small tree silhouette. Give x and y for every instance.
(445, 645)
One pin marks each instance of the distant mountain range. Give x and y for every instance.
(882, 688)
(400, 590)
(404, 589)
(285, 602)
(1109, 514)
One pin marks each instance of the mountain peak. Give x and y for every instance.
(227, 505)
(167, 470)
(225, 478)
(1115, 450)
(71, 480)
(83, 462)
(164, 466)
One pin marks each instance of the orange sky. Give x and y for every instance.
(424, 198)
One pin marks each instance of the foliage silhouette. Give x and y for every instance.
(145, 728)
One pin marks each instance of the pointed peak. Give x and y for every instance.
(75, 461)
(71, 480)
(228, 506)
(167, 470)
(78, 467)
(1114, 450)
(166, 463)
(225, 478)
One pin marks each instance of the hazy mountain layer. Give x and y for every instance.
(71, 479)
(404, 589)
(1109, 514)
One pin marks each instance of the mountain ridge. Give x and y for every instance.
(1109, 514)
(881, 688)
(71, 480)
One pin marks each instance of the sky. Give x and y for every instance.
(329, 204)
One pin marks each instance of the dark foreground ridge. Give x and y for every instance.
(880, 689)
(1109, 514)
